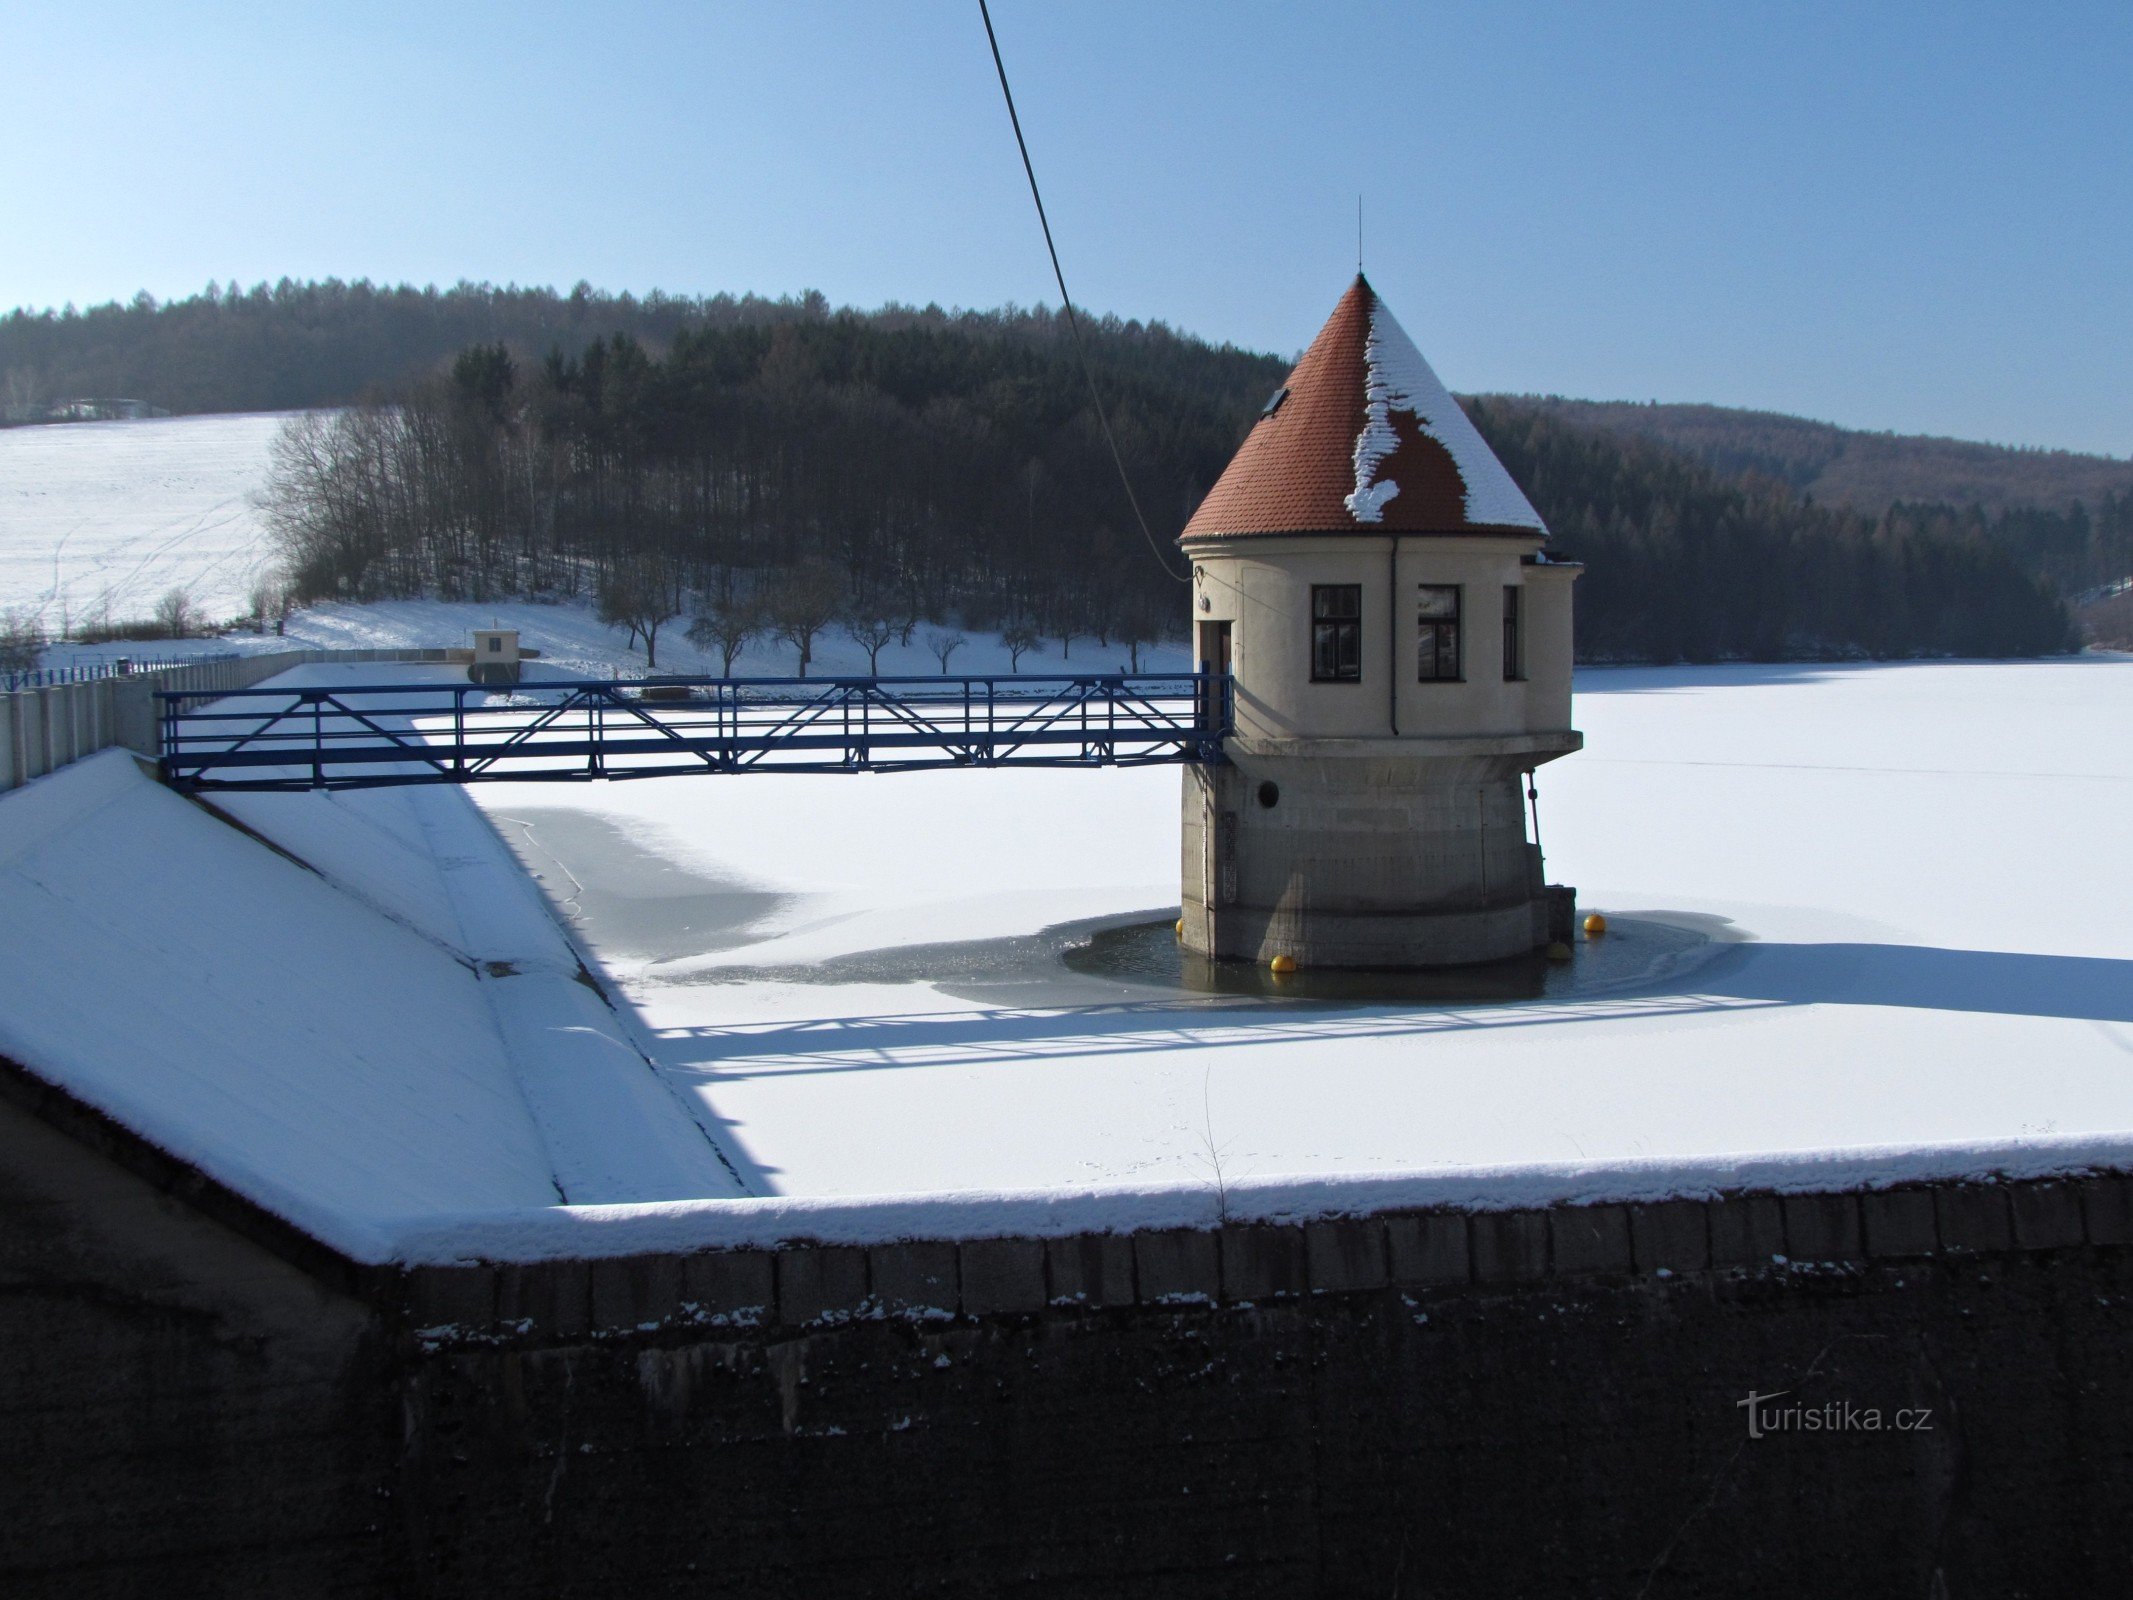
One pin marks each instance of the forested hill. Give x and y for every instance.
(671, 452)
(297, 345)
(1848, 467)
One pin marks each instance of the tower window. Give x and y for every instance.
(1437, 640)
(1514, 666)
(1336, 632)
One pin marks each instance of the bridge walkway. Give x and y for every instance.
(369, 735)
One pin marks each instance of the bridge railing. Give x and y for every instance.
(368, 735)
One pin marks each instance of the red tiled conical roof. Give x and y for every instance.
(1363, 439)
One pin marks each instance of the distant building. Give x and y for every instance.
(1401, 648)
(495, 656)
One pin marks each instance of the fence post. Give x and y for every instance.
(33, 738)
(133, 714)
(10, 762)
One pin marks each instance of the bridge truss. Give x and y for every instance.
(373, 735)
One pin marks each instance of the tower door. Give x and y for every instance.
(1214, 660)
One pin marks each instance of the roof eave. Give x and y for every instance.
(1367, 531)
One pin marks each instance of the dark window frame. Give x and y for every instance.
(1514, 641)
(1437, 638)
(1336, 633)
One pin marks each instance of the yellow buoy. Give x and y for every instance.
(1281, 966)
(1181, 927)
(1595, 925)
(1558, 951)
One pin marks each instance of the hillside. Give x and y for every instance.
(928, 464)
(1847, 467)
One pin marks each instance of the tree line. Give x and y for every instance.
(849, 471)
(1685, 564)
(845, 467)
(1850, 467)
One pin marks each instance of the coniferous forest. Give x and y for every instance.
(766, 463)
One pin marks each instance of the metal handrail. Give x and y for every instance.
(370, 735)
(93, 671)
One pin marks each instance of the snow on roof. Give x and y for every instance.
(1365, 439)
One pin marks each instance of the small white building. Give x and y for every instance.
(496, 656)
(1402, 647)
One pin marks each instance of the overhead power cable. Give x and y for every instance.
(1073, 322)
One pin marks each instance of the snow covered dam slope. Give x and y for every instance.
(1890, 900)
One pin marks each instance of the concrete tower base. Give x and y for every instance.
(1366, 852)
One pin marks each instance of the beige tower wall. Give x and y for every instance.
(1262, 587)
(1396, 833)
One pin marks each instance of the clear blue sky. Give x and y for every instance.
(1890, 215)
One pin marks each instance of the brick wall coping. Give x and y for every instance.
(583, 1233)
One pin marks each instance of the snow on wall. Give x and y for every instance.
(565, 1233)
(1398, 379)
(429, 860)
(246, 1016)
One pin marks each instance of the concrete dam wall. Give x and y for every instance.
(199, 1400)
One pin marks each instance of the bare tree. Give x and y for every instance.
(635, 596)
(726, 625)
(21, 639)
(21, 396)
(1136, 630)
(176, 615)
(1019, 638)
(804, 603)
(872, 632)
(270, 599)
(944, 644)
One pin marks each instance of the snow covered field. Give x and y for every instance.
(1926, 865)
(108, 516)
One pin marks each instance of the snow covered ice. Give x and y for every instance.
(1919, 863)
(1917, 859)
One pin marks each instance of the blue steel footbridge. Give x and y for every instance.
(369, 735)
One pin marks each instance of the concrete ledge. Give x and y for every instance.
(1823, 1227)
(2107, 1210)
(1898, 1223)
(2045, 1216)
(1091, 1269)
(918, 1279)
(1345, 1256)
(1545, 746)
(1974, 1217)
(1510, 1246)
(547, 1298)
(1747, 1230)
(1002, 1276)
(925, 1280)
(452, 1297)
(816, 1282)
(1177, 1264)
(636, 1292)
(1671, 1236)
(1591, 1239)
(1429, 1248)
(1263, 1262)
(729, 1286)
